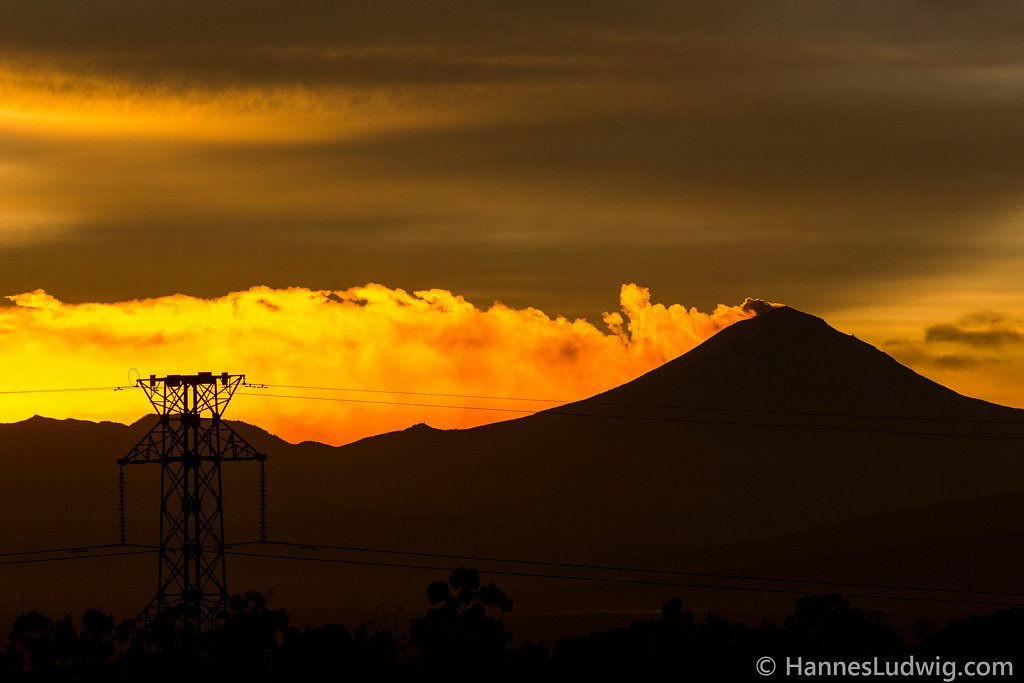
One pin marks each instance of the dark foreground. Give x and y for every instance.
(461, 636)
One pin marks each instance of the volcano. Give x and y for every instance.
(786, 360)
(772, 425)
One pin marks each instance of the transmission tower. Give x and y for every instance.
(190, 442)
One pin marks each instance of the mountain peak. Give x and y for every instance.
(787, 315)
(788, 360)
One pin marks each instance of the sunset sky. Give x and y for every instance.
(337, 193)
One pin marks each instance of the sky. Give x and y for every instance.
(545, 164)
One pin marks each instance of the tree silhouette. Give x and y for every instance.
(65, 643)
(96, 646)
(31, 642)
(978, 637)
(828, 625)
(646, 650)
(245, 644)
(458, 638)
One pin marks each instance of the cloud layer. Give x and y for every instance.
(369, 337)
(529, 152)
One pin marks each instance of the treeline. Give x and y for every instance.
(461, 637)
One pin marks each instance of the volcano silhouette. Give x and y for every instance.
(774, 424)
(786, 360)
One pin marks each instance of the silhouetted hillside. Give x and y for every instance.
(644, 474)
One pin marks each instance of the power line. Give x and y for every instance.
(390, 403)
(83, 556)
(145, 550)
(584, 402)
(588, 402)
(643, 582)
(68, 390)
(632, 570)
(654, 418)
(623, 404)
(77, 549)
(84, 551)
(259, 385)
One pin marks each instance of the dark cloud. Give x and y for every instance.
(756, 306)
(981, 338)
(459, 40)
(915, 354)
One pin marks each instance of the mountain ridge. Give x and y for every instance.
(791, 348)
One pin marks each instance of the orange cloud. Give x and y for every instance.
(39, 98)
(369, 337)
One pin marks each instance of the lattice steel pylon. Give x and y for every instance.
(190, 442)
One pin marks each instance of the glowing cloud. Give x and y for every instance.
(42, 100)
(370, 338)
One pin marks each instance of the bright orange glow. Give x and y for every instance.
(368, 337)
(48, 101)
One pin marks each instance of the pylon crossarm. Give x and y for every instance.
(210, 393)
